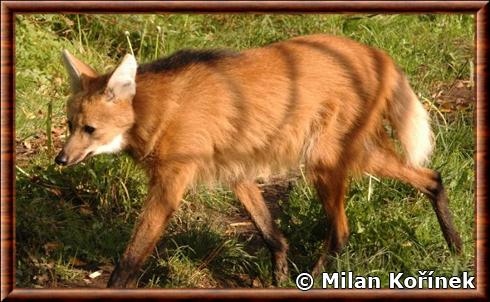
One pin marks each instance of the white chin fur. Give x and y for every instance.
(114, 146)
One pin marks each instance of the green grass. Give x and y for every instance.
(86, 213)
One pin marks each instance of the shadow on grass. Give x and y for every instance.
(61, 218)
(199, 254)
(200, 257)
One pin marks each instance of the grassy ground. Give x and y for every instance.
(75, 221)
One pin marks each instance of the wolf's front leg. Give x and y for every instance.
(167, 187)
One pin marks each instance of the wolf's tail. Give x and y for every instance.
(411, 121)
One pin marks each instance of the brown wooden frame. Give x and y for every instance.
(10, 8)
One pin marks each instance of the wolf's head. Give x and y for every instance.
(99, 110)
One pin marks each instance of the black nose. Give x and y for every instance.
(61, 159)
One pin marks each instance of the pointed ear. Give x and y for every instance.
(77, 71)
(122, 84)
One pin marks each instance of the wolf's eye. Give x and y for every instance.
(88, 129)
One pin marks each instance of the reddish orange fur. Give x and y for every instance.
(318, 100)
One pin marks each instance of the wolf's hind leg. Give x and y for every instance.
(330, 185)
(385, 163)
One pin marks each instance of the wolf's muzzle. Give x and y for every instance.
(61, 159)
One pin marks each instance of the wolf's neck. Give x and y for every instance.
(153, 105)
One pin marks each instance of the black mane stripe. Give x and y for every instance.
(184, 58)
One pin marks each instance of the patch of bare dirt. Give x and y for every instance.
(454, 98)
(27, 148)
(94, 277)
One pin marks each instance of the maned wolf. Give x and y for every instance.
(230, 117)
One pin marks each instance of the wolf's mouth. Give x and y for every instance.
(88, 155)
(82, 158)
